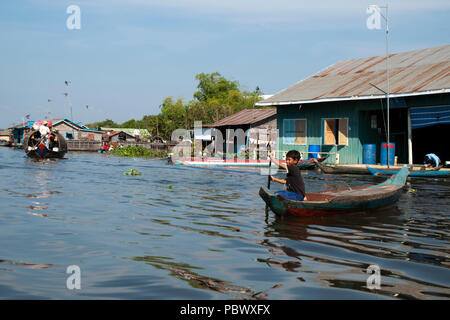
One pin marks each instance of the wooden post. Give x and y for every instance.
(410, 151)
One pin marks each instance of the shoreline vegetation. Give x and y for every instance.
(216, 98)
(137, 151)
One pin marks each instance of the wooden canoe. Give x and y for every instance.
(35, 148)
(239, 163)
(335, 169)
(302, 165)
(339, 201)
(5, 144)
(412, 173)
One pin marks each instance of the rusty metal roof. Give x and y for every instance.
(244, 117)
(410, 73)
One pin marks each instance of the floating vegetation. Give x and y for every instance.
(132, 172)
(137, 151)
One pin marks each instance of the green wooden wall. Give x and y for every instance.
(315, 113)
(360, 131)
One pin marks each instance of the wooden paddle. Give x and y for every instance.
(269, 149)
(270, 165)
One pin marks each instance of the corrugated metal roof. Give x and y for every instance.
(76, 126)
(21, 126)
(412, 72)
(244, 117)
(143, 133)
(114, 133)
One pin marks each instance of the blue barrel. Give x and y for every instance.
(313, 148)
(384, 153)
(370, 154)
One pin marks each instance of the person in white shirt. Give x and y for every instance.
(44, 130)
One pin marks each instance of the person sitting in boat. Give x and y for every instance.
(53, 139)
(432, 161)
(105, 147)
(295, 186)
(34, 139)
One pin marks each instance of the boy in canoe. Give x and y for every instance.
(295, 186)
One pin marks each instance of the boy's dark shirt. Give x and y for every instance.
(294, 180)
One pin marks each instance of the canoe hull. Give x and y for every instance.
(342, 170)
(415, 174)
(282, 206)
(340, 201)
(46, 154)
(239, 163)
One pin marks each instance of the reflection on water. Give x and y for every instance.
(183, 272)
(350, 236)
(202, 233)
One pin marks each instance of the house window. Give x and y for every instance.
(69, 135)
(335, 132)
(294, 131)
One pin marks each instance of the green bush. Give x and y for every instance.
(137, 151)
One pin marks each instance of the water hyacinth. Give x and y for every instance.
(132, 172)
(137, 151)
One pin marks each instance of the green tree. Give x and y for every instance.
(213, 86)
(216, 98)
(108, 123)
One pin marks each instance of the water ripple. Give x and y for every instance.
(202, 233)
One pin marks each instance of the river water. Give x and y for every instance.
(177, 232)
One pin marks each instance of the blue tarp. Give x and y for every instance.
(429, 116)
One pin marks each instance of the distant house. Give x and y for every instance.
(259, 126)
(127, 133)
(120, 136)
(76, 131)
(5, 137)
(19, 131)
(67, 128)
(338, 111)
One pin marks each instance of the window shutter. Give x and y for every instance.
(343, 132)
(329, 127)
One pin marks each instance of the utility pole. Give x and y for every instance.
(387, 74)
(68, 100)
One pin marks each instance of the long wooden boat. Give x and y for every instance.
(336, 169)
(303, 165)
(412, 173)
(5, 143)
(340, 201)
(36, 148)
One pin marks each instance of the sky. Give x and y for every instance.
(127, 56)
